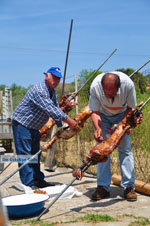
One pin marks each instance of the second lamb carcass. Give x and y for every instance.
(65, 132)
(100, 152)
(66, 106)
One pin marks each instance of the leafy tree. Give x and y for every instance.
(18, 93)
(2, 87)
(83, 77)
(138, 79)
(148, 79)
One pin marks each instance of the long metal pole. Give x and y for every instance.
(6, 168)
(67, 56)
(73, 96)
(139, 68)
(13, 173)
(140, 109)
(55, 199)
(60, 194)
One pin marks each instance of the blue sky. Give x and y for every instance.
(34, 36)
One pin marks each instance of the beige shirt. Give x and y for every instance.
(126, 96)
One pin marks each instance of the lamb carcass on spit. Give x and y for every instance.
(65, 132)
(100, 152)
(66, 106)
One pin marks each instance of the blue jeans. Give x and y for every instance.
(126, 158)
(27, 142)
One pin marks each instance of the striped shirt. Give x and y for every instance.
(39, 103)
(125, 96)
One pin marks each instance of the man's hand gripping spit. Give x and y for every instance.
(73, 124)
(95, 158)
(135, 118)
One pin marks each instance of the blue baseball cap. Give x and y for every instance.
(55, 71)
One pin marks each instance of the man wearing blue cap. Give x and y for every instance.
(39, 103)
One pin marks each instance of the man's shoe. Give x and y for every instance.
(34, 187)
(100, 193)
(50, 170)
(129, 194)
(43, 184)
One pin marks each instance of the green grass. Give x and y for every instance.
(95, 218)
(39, 223)
(140, 222)
(32, 223)
(129, 215)
(88, 218)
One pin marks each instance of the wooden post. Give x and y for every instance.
(77, 111)
(140, 186)
(50, 155)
